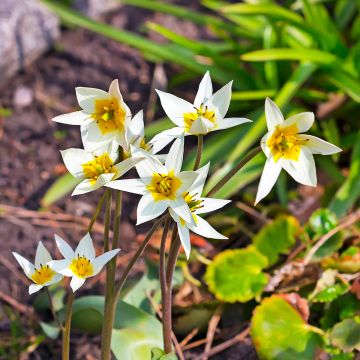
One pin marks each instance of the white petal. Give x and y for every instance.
(73, 118)
(303, 121)
(174, 159)
(56, 278)
(221, 99)
(86, 185)
(201, 126)
(181, 208)
(231, 122)
(124, 166)
(61, 267)
(101, 260)
(273, 114)
(203, 228)
(303, 170)
(319, 146)
(33, 288)
(92, 137)
(268, 178)
(114, 90)
(42, 256)
(136, 126)
(86, 97)
(26, 265)
(205, 90)
(263, 143)
(73, 160)
(149, 209)
(174, 107)
(146, 168)
(184, 235)
(76, 283)
(209, 204)
(64, 248)
(198, 185)
(86, 248)
(135, 186)
(159, 141)
(187, 178)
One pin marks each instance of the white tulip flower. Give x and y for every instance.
(206, 114)
(41, 274)
(161, 185)
(97, 168)
(81, 263)
(104, 116)
(286, 147)
(198, 205)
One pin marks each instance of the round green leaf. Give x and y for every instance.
(236, 275)
(322, 221)
(280, 333)
(331, 292)
(346, 335)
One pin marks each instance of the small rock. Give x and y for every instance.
(96, 8)
(27, 29)
(23, 97)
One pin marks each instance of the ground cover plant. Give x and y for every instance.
(279, 267)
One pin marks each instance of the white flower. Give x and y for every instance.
(286, 147)
(198, 205)
(41, 274)
(81, 263)
(161, 185)
(104, 116)
(205, 115)
(97, 168)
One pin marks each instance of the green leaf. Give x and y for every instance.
(51, 331)
(322, 221)
(277, 237)
(280, 333)
(60, 188)
(158, 354)
(346, 335)
(236, 275)
(330, 293)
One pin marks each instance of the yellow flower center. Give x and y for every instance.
(164, 186)
(202, 111)
(109, 115)
(193, 203)
(81, 267)
(42, 275)
(285, 143)
(100, 165)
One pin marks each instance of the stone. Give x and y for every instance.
(95, 9)
(23, 97)
(27, 29)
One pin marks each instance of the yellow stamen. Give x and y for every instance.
(82, 267)
(100, 165)
(42, 275)
(109, 115)
(285, 143)
(164, 186)
(202, 111)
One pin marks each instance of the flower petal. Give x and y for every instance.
(174, 159)
(33, 288)
(65, 249)
(209, 204)
(175, 107)
(101, 260)
(73, 118)
(221, 99)
(73, 160)
(86, 97)
(201, 126)
(303, 121)
(273, 114)
(92, 137)
(187, 178)
(76, 283)
(263, 143)
(205, 90)
(42, 256)
(181, 208)
(303, 171)
(56, 278)
(124, 166)
(319, 146)
(149, 209)
(150, 165)
(268, 178)
(26, 265)
(184, 235)
(134, 186)
(136, 126)
(86, 185)
(198, 185)
(231, 122)
(203, 228)
(61, 267)
(86, 248)
(166, 137)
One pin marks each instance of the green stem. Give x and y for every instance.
(164, 289)
(53, 309)
(107, 220)
(67, 328)
(199, 151)
(96, 213)
(231, 173)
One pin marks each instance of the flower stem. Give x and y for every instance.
(199, 151)
(107, 219)
(67, 328)
(96, 213)
(53, 309)
(164, 289)
(231, 173)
